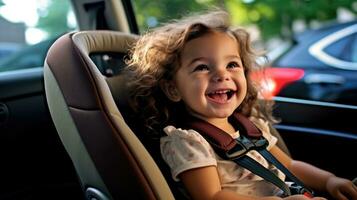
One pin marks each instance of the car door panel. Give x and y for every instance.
(34, 162)
(318, 133)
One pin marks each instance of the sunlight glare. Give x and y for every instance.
(26, 11)
(34, 35)
(18, 11)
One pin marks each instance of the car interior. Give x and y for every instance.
(67, 133)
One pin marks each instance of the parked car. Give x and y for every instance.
(319, 65)
(35, 164)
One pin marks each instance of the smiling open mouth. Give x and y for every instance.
(221, 96)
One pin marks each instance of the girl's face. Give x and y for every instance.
(210, 80)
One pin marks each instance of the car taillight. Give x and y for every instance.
(271, 80)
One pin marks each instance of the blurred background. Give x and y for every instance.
(310, 45)
(267, 20)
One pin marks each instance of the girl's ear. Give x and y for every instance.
(170, 90)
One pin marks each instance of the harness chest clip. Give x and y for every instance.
(244, 145)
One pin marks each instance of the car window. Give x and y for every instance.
(151, 13)
(31, 28)
(354, 48)
(343, 48)
(310, 69)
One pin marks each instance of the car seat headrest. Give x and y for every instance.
(96, 42)
(103, 41)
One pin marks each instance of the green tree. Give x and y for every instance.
(276, 17)
(152, 13)
(273, 17)
(53, 18)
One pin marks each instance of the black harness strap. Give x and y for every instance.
(236, 149)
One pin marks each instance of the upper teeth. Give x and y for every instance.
(221, 92)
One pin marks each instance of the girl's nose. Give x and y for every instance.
(220, 76)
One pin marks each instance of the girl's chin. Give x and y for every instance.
(212, 113)
(220, 114)
(223, 115)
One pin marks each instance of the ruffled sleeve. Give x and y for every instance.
(185, 149)
(264, 127)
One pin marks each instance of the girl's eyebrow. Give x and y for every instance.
(204, 58)
(233, 56)
(196, 59)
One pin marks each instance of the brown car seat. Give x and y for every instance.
(109, 159)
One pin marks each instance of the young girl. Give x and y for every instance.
(198, 66)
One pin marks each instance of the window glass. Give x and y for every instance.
(295, 73)
(157, 12)
(354, 48)
(30, 27)
(341, 49)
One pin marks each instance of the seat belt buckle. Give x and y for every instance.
(308, 194)
(297, 189)
(237, 151)
(244, 145)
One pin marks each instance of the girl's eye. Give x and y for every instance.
(201, 67)
(232, 65)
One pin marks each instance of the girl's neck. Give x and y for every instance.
(223, 124)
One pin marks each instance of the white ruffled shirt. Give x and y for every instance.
(187, 149)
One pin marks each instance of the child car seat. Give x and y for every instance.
(108, 157)
(110, 160)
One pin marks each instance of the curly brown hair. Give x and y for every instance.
(156, 57)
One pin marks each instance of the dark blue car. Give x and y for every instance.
(319, 65)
